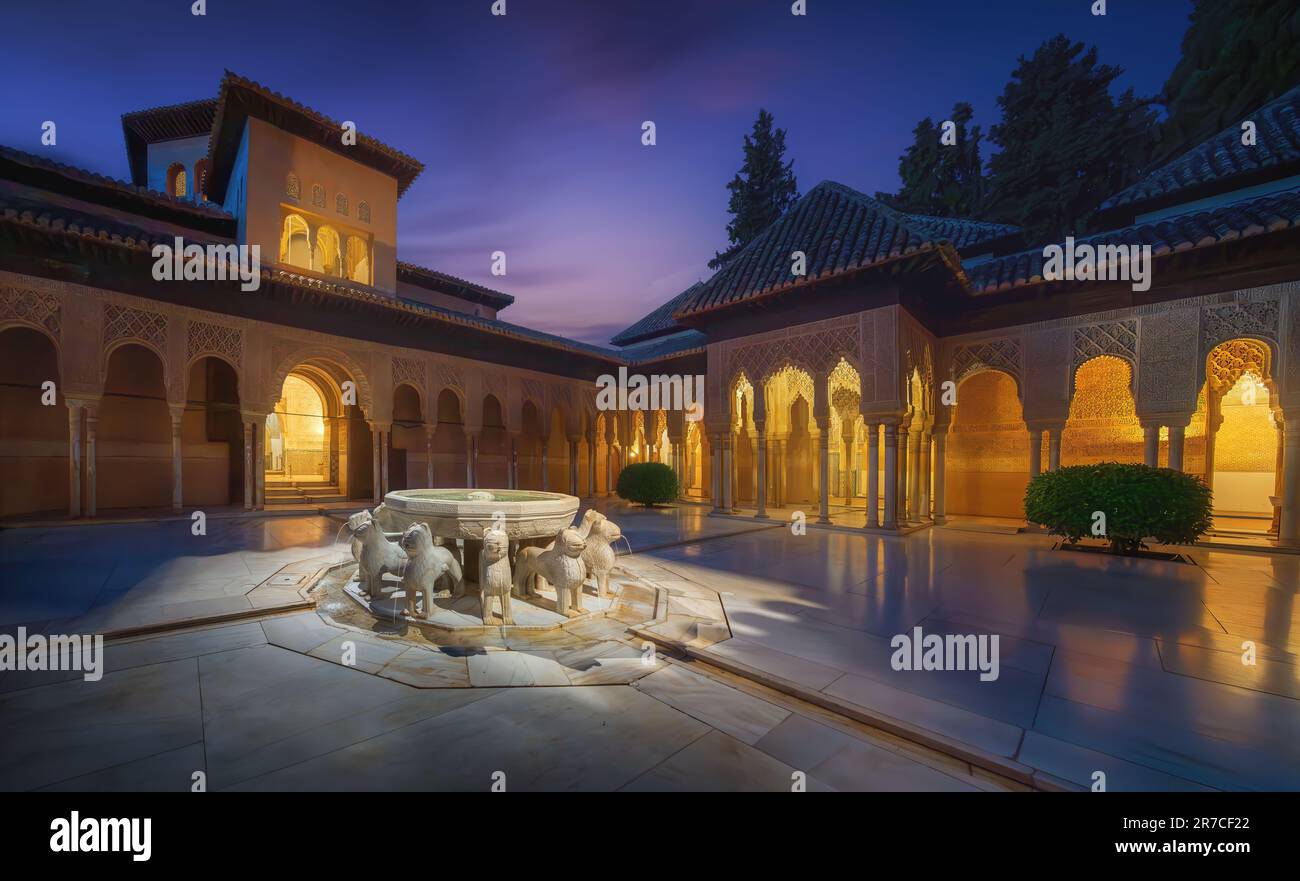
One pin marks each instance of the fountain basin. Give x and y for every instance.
(465, 513)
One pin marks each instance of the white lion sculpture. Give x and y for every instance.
(375, 556)
(560, 564)
(599, 555)
(428, 562)
(494, 574)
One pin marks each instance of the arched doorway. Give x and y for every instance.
(788, 395)
(743, 437)
(846, 430)
(407, 456)
(297, 443)
(557, 454)
(212, 435)
(494, 447)
(530, 448)
(449, 443)
(1103, 424)
(987, 455)
(1242, 442)
(133, 458)
(33, 435)
(316, 442)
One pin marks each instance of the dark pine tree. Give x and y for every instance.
(1237, 55)
(1065, 143)
(944, 180)
(761, 191)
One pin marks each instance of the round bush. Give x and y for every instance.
(1138, 501)
(647, 483)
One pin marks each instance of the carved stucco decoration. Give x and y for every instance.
(203, 338)
(535, 391)
(122, 322)
(287, 354)
(1228, 361)
(816, 352)
(409, 371)
(39, 308)
(494, 383)
(1245, 319)
(1118, 338)
(1047, 381)
(1168, 378)
(447, 375)
(1000, 354)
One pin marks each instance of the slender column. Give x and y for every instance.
(846, 466)
(1289, 531)
(471, 460)
(1177, 435)
(926, 456)
(715, 471)
(178, 462)
(609, 468)
(386, 439)
(376, 441)
(728, 487)
(573, 467)
(824, 470)
(428, 454)
(591, 466)
(1054, 448)
(940, 443)
(259, 460)
(1035, 452)
(899, 476)
(90, 506)
(248, 465)
(1151, 445)
(545, 476)
(891, 476)
(914, 475)
(74, 458)
(512, 465)
(873, 474)
(761, 494)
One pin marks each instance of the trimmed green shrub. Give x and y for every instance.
(647, 483)
(1138, 501)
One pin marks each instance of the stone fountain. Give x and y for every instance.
(434, 527)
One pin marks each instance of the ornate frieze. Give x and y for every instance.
(204, 338)
(1117, 338)
(40, 308)
(122, 322)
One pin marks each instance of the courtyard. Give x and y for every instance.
(216, 662)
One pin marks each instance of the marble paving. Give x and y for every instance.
(1131, 667)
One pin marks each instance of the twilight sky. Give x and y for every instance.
(529, 125)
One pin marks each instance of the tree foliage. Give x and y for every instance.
(761, 191)
(1237, 55)
(1065, 143)
(943, 180)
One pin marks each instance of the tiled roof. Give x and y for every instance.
(1223, 162)
(962, 233)
(451, 285)
(240, 98)
(658, 322)
(144, 127)
(839, 229)
(1183, 232)
(51, 172)
(679, 343)
(86, 224)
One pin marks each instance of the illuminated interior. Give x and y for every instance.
(1243, 449)
(308, 242)
(297, 445)
(1103, 424)
(987, 453)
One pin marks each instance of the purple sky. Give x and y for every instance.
(529, 125)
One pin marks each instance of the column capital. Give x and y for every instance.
(1040, 426)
